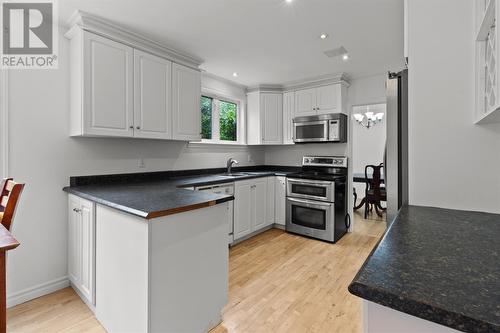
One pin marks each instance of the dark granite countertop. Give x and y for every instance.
(440, 265)
(156, 194)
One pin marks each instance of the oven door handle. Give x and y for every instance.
(310, 202)
(310, 182)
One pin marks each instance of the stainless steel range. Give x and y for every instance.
(316, 198)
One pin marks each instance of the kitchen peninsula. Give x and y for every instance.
(161, 255)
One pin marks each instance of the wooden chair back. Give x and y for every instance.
(375, 181)
(10, 192)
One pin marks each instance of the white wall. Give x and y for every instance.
(44, 156)
(452, 162)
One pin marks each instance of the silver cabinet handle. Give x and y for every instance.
(311, 203)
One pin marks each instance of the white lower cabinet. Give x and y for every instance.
(270, 205)
(280, 200)
(250, 206)
(258, 203)
(81, 246)
(242, 208)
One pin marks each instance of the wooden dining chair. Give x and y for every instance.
(374, 193)
(10, 192)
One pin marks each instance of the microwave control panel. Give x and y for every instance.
(333, 130)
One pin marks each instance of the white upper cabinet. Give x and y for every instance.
(288, 114)
(107, 87)
(487, 70)
(321, 100)
(305, 102)
(264, 118)
(272, 118)
(327, 99)
(186, 96)
(152, 96)
(127, 86)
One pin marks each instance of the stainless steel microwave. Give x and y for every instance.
(321, 128)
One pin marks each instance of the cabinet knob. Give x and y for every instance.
(138, 127)
(77, 210)
(131, 127)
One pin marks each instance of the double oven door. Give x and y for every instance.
(310, 210)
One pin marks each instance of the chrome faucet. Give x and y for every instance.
(230, 163)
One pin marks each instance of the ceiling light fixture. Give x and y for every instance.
(369, 118)
(323, 36)
(345, 57)
(235, 74)
(288, 1)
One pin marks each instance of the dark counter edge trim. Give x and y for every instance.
(406, 305)
(144, 215)
(421, 310)
(165, 175)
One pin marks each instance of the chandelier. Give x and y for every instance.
(369, 119)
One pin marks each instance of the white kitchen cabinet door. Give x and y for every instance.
(280, 200)
(152, 96)
(259, 203)
(271, 109)
(74, 247)
(242, 209)
(186, 95)
(328, 98)
(88, 250)
(305, 102)
(108, 87)
(81, 247)
(288, 114)
(270, 206)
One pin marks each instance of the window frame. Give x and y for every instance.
(240, 119)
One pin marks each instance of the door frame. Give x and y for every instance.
(4, 124)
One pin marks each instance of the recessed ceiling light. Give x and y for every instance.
(235, 74)
(323, 36)
(288, 1)
(345, 57)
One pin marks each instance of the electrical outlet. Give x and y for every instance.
(141, 164)
(249, 158)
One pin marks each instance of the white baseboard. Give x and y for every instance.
(36, 291)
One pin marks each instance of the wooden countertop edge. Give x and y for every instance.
(7, 241)
(182, 209)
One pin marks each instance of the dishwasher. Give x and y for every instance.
(228, 189)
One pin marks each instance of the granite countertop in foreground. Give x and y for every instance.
(440, 265)
(156, 194)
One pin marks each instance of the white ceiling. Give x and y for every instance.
(266, 41)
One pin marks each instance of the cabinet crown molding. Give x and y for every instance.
(317, 81)
(100, 26)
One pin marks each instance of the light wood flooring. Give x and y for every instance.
(278, 282)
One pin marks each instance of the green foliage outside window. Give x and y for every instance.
(206, 117)
(227, 121)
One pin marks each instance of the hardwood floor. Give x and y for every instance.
(278, 282)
